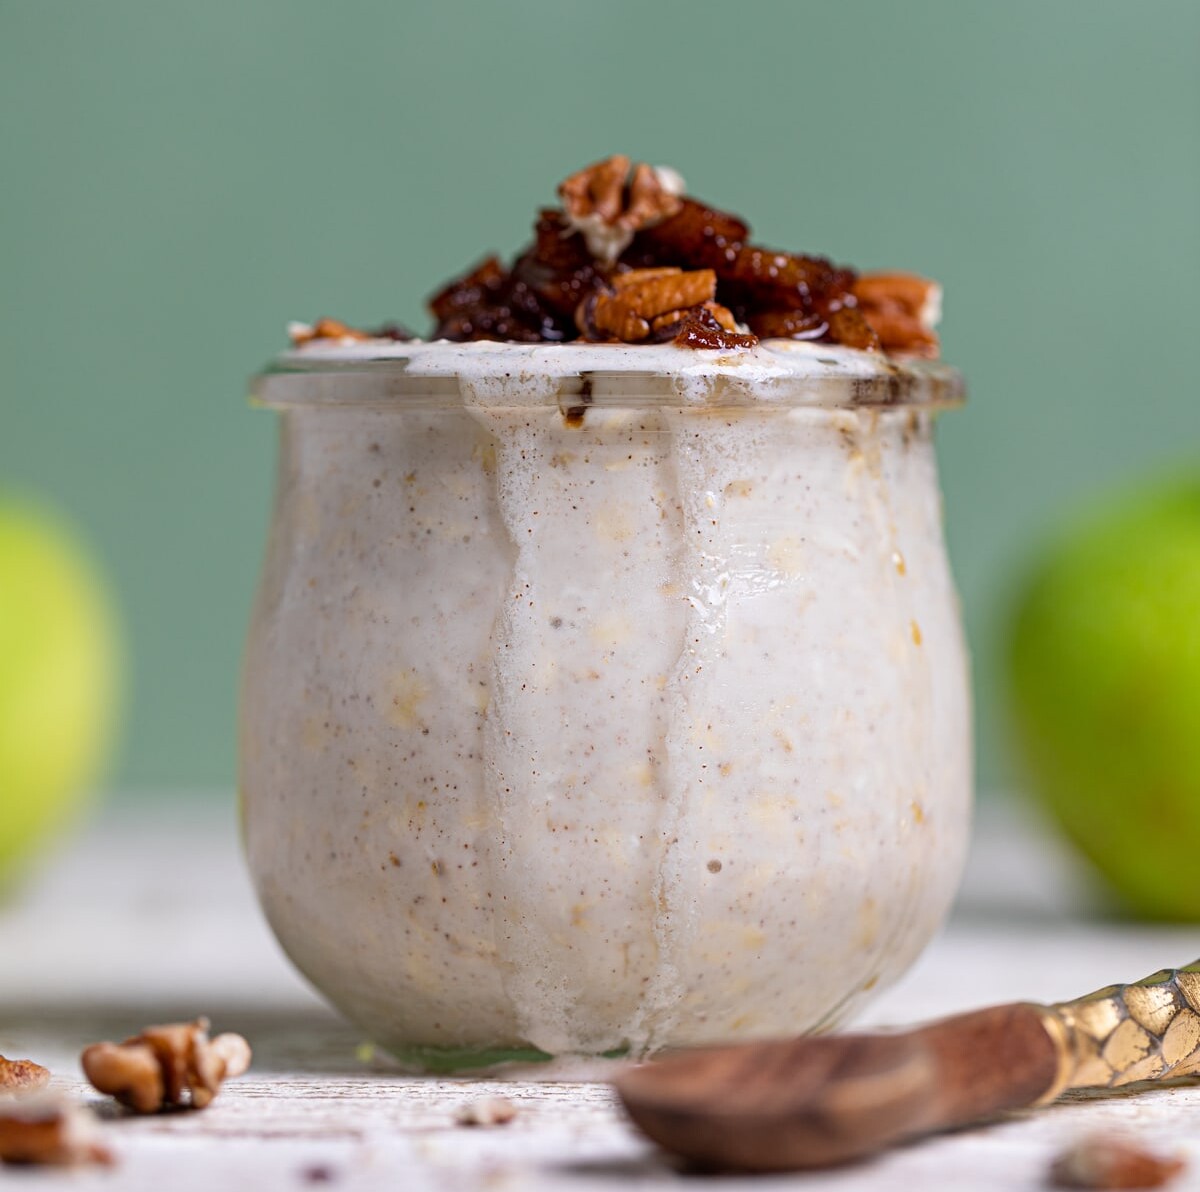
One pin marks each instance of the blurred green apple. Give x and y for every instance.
(58, 676)
(1105, 685)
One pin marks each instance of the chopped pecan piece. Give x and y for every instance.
(666, 326)
(608, 206)
(629, 278)
(847, 326)
(776, 294)
(48, 1131)
(166, 1066)
(21, 1076)
(652, 292)
(596, 190)
(705, 326)
(903, 309)
(303, 333)
(1105, 1161)
(787, 324)
(626, 309)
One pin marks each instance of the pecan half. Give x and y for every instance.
(903, 310)
(47, 1131)
(607, 206)
(21, 1076)
(634, 299)
(166, 1066)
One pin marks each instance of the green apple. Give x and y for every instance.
(1105, 685)
(58, 676)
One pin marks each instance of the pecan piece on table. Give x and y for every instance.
(166, 1067)
(1107, 1161)
(487, 1111)
(21, 1076)
(47, 1131)
(607, 206)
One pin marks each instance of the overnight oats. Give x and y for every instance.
(605, 689)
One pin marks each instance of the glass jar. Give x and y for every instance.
(603, 699)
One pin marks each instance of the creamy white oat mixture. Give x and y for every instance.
(639, 724)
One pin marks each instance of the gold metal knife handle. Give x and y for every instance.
(1149, 1030)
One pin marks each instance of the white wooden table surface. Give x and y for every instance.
(148, 916)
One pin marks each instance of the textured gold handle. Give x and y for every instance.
(1149, 1030)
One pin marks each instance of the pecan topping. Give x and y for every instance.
(49, 1132)
(669, 322)
(21, 1076)
(788, 324)
(607, 206)
(662, 304)
(903, 309)
(303, 333)
(490, 302)
(634, 299)
(166, 1066)
(848, 326)
(710, 326)
(619, 261)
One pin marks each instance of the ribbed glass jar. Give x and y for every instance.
(603, 699)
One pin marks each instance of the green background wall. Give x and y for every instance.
(177, 180)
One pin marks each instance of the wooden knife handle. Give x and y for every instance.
(812, 1102)
(998, 1058)
(989, 1061)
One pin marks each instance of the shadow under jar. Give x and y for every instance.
(603, 699)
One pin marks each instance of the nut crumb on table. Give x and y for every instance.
(1107, 1161)
(21, 1076)
(318, 1173)
(486, 1111)
(48, 1131)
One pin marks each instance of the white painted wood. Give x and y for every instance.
(148, 915)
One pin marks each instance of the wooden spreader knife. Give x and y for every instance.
(823, 1100)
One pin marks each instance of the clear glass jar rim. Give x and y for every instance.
(778, 373)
